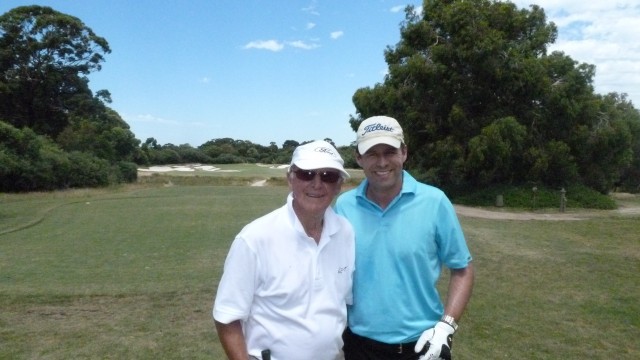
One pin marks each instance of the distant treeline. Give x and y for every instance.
(31, 162)
(228, 151)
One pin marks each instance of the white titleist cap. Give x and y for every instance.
(379, 130)
(317, 155)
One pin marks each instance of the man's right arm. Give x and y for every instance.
(232, 340)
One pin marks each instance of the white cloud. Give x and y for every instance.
(275, 45)
(310, 26)
(204, 80)
(302, 45)
(336, 34)
(602, 33)
(271, 45)
(311, 8)
(148, 118)
(400, 8)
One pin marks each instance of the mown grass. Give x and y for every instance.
(122, 274)
(553, 290)
(131, 272)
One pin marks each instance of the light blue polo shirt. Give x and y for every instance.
(399, 255)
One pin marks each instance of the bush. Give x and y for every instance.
(191, 155)
(125, 172)
(227, 159)
(524, 197)
(52, 169)
(87, 170)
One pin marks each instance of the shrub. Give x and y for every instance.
(524, 197)
(125, 172)
(87, 170)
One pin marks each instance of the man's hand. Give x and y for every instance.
(438, 341)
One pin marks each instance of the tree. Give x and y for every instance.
(103, 134)
(290, 145)
(75, 139)
(630, 117)
(482, 102)
(456, 70)
(605, 148)
(44, 59)
(494, 155)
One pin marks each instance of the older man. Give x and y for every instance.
(288, 275)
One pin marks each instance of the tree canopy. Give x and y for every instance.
(46, 104)
(44, 59)
(482, 102)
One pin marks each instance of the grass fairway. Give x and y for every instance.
(130, 273)
(553, 290)
(122, 274)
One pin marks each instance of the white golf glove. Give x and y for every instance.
(438, 341)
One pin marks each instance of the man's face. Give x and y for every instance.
(314, 190)
(382, 164)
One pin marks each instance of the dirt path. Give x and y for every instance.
(504, 215)
(499, 214)
(571, 216)
(259, 183)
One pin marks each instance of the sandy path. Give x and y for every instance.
(499, 214)
(502, 215)
(572, 216)
(259, 183)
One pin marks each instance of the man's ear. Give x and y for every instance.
(358, 158)
(289, 180)
(403, 149)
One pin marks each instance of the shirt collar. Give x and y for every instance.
(330, 226)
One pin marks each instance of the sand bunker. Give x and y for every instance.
(196, 167)
(187, 167)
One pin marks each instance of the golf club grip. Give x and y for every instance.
(266, 354)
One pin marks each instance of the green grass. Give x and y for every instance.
(131, 272)
(121, 274)
(553, 290)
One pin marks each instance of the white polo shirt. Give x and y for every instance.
(290, 293)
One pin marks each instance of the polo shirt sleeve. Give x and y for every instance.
(237, 285)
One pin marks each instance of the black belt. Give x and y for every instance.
(400, 348)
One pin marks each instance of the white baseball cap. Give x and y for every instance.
(379, 130)
(317, 155)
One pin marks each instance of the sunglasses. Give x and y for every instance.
(329, 177)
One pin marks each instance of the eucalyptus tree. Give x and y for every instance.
(461, 67)
(481, 100)
(45, 57)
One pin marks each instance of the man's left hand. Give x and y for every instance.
(438, 341)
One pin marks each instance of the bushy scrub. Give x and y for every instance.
(533, 197)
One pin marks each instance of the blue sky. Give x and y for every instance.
(188, 71)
